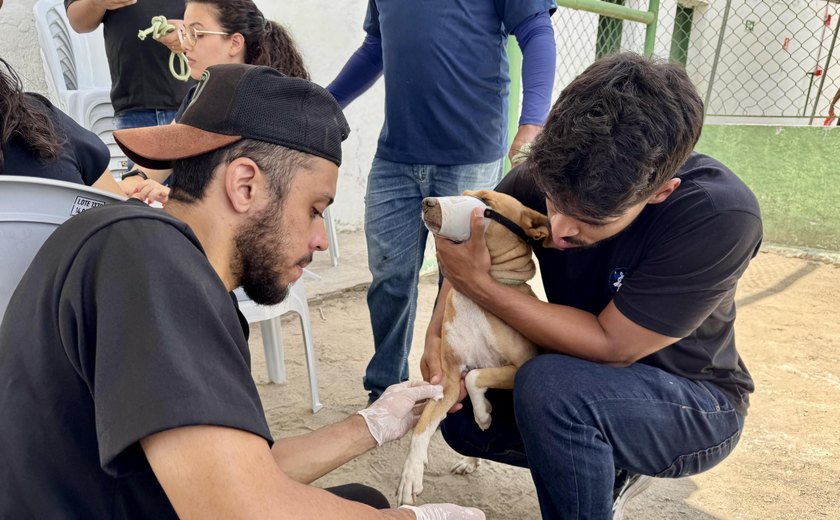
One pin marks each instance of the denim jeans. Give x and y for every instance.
(141, 119)
(572, 422)
(396, 241)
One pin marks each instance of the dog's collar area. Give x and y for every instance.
(511, 225)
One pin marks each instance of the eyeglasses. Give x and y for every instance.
(188, 35)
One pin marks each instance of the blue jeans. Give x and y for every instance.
(572, 422)
(142, 119)
(396, 241)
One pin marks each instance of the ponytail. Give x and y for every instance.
(276, 49)
(266, 42)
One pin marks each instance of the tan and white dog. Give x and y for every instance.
(473, 340)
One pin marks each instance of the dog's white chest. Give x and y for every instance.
(470, 335)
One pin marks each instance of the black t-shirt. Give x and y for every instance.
(82, 159)
(140, 77)
(119, 329)
(674, 271)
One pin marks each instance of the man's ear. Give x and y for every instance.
(241, 179)
(664, 191)
(536, 224)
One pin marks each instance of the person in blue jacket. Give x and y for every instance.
(446, 103)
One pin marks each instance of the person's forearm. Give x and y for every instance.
(312, 455)
(554, 327)
(539, 55)
(84, 16)
(108, 183)
(436, 323)
(359, 73)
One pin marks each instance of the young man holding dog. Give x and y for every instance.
(639, 374)
(131, 396)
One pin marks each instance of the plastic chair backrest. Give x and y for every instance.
(72, 61)
(30, 210)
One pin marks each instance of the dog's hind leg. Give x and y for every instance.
(411, 481)
(477, 383)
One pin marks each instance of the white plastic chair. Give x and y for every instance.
(77, 74)
(332, 236)
(30, 210)
(268, 316)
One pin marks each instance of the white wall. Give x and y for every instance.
(19, 43)
(327, 33)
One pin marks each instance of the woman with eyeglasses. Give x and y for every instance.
(215, 32)
(39, 140)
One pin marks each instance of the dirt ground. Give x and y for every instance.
(787, 465)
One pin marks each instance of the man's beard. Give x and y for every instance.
(259, 256)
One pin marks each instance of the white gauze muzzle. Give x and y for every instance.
(455, 213)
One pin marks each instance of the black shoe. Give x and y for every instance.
(627, 485)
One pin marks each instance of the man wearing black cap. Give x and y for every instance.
(131, 396)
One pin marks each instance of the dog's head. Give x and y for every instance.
(449, 217)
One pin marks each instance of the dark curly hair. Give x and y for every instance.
(266, 42)
(617, 133)
(27, 117)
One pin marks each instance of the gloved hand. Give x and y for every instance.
(398, 409)
(445, 512)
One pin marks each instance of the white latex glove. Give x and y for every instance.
(397, 410)
(445, 512)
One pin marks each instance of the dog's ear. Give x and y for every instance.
(537, 225)
(479, 194)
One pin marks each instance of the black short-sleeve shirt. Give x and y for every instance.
(82, 159)
(140, 77)
(119, 329)
(674, 271)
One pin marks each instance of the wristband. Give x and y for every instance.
(132, 173)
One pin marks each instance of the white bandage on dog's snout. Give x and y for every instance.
(455, 215)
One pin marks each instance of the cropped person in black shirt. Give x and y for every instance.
(39, 140)
(639, 375)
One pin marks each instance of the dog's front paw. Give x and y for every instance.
(466, 465)
(411, 482)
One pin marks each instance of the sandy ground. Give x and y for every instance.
(787, 465)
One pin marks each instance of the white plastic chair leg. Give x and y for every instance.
(273, 342)
(332, 236)
(308, 344)
(275, 360)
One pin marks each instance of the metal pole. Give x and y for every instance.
(608, 9)
(608, 39)
(825, 73)
(681, 38)
(717, 54)
(650, 31)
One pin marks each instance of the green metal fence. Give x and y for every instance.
(573, 45)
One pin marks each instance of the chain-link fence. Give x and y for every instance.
(761, 61)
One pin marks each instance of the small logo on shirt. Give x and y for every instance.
(617, 278)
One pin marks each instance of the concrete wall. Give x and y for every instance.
(327, 34)
(19, 43)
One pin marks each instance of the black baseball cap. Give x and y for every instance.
(236, 101)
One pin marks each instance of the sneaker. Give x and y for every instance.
(627, 485)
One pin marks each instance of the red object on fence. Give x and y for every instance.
(828, 120)
(786, 45)
(828, 20)
(818, 72)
